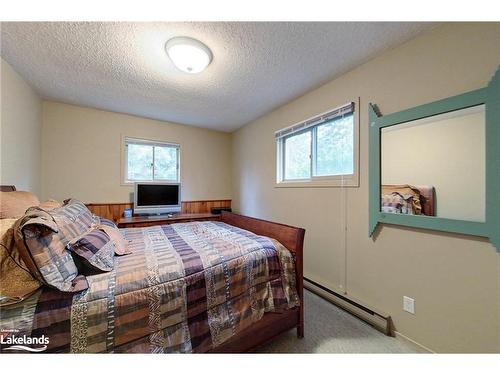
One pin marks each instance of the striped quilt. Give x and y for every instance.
(185, 288)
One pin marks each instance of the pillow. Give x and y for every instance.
(50, 204)
(41, 238)
(108, 223)
(407, 192)
(391, 204)
(121, 244)
(16, 282)
(78, 214)
(94, 252)
(13, 204)
(397, 203)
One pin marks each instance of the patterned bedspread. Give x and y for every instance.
(185, 288)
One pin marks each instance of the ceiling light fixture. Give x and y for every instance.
(188, 54)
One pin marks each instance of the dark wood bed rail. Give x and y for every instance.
(290, 237)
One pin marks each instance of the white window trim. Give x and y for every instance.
(151, 142)
(350, 180)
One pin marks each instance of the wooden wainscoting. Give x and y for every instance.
(111, 211)
(114, 211)
(200, 207)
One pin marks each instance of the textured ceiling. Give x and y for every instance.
(257, 67)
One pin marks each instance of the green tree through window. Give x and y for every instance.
(322, 150)
(151, 161)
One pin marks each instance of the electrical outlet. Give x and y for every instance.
(409, 304)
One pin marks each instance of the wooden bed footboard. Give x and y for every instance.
(293, 239)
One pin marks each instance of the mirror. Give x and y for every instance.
(436, 166)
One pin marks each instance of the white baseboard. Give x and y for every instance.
(419, 348)
(380, 320)
(376, 319)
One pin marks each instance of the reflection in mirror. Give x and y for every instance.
(436, 166)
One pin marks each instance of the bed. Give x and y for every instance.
(408, 199)
(224, 286)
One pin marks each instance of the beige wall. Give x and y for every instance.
(447, 153)
(454, 279)
(21, 123)
(81, 154)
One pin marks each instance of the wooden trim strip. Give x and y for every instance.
(114, 211)
(131, 203)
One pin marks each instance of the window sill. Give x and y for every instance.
(131, 183)
(321, 183)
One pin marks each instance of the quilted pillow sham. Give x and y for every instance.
(396, 203)
(408, 193)
(50, 204)
(108, 223)
(121, 244)
(93, 252)
(42, 237)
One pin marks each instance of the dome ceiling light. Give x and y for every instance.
(188, 54)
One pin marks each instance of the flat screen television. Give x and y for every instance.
(156, 198)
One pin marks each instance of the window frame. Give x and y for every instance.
(345, 180)
(126, 140)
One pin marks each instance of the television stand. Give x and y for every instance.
(147, 221)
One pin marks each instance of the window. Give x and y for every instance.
(146, 160)
(321, 151)
(297, 154)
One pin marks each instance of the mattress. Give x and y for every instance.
(185, 288)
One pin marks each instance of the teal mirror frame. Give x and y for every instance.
(490, 228)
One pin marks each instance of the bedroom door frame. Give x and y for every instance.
(490, 228)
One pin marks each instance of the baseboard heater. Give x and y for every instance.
(376, 319)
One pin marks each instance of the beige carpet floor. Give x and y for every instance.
(329, 329)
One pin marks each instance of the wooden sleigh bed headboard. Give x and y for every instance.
(428, 199)
(7, 188)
